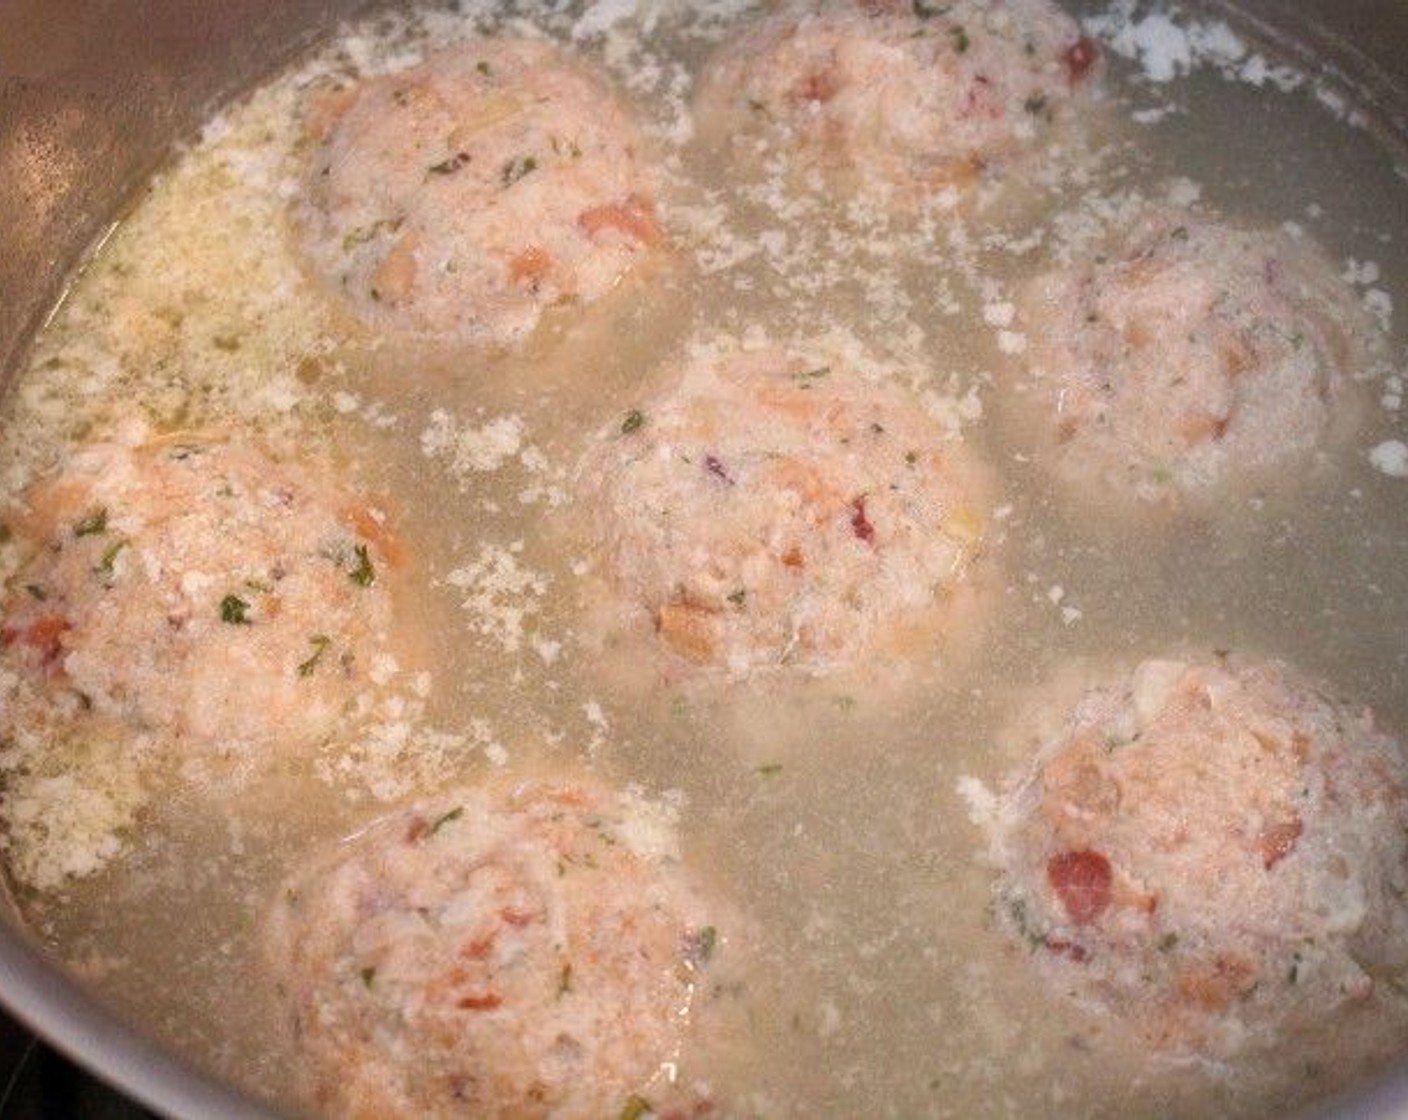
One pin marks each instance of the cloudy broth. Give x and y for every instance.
(828, 808)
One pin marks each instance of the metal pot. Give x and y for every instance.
(92, 95)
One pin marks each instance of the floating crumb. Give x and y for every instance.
(1391, 458)
(499, 594)
(981, 801)
(470, 450)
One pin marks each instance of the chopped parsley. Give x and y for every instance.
(737, 598)
(368, 976)
(635, 1107)
(1034, 104)
(36, 592)
(441, 821)
(450, 164)
(228, 343)
(570, 147)
(320, 644)
(516, 169)
(925, 10)
(363, 575)
(961, 42)
(769, 769)
(104, 567)
(234, 610)
(484, 68)
(633, 421)
(362, 234)
(564, 980)
(705, 942)
(93, 523)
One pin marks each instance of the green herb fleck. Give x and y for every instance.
(450, 164)
(36, 592)
(368, 976)
(484, 68)
(516, 169)
(813, 374)
(1180, 233)
(440, 822)
(1034, 104)
(633, 421)
(320, 644)
(571, 147)
(260, 586)
(564, 980)
(756, 105)
(961, 42)
(911, 457)
(94, 523)
(846, 703)
(234, 610)
(105, 564)
(738, 597)
(635, 1107)
(924, 10)
(769, 769)
(705, 942)
(362, 234)
(363, 575)
(1167, 942)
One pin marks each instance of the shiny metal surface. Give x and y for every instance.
(92, 94)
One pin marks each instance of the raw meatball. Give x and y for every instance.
(1188, 351)
(534, 951)
(895, 94)
(1214, 851)
(203, 590)
(461, 199)
(773, 508)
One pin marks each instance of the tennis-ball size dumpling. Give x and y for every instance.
(1187, 352)
(772, 508)
(1213, 850)
(204, 590)
(460, 199)
(529, 950)
(900, 95)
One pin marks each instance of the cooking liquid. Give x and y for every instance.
(826, 808)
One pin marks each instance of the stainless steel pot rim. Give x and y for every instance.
(64, 1015)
